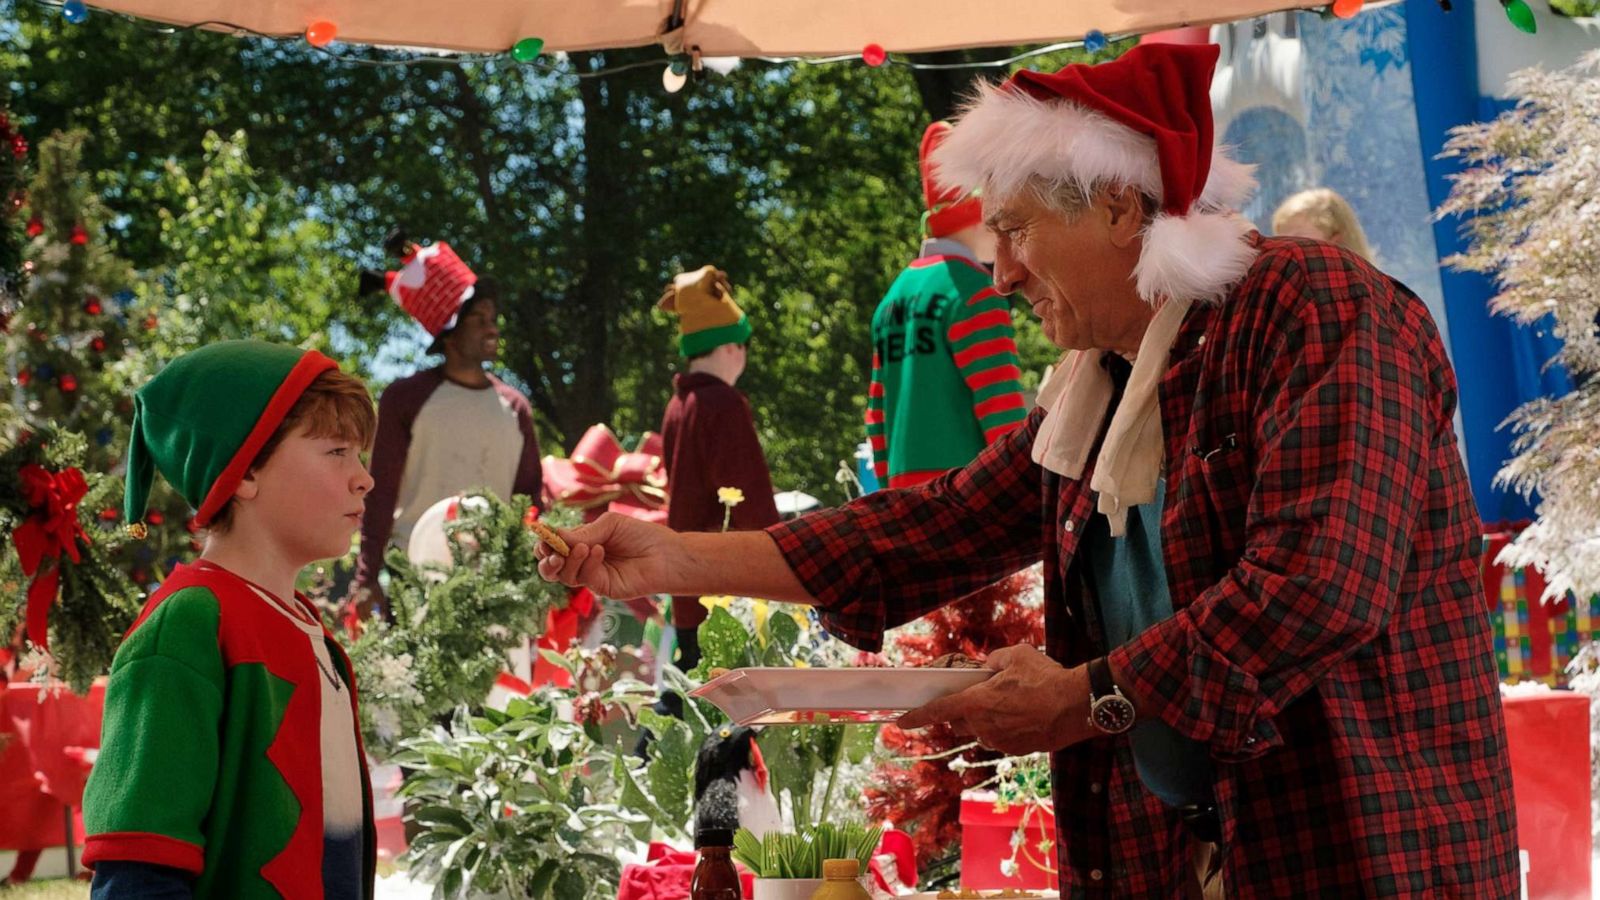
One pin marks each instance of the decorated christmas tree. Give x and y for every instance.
(920, 788)
(73, 353)
(13, 195)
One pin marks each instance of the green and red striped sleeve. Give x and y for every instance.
(877, 434)
(984, 348)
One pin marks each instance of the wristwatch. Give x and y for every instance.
(1110, 712)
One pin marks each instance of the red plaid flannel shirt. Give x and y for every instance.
(1331, 642)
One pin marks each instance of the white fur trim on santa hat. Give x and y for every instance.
(1005, 137)
(1196, 257)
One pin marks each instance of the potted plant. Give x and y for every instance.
(788, 865)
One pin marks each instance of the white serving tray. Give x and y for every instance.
(773, 696)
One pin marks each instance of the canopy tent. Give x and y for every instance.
(714, 27)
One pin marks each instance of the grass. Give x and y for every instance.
(54, 889)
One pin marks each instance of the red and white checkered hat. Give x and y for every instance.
(431, 285)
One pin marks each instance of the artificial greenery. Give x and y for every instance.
(526, 802)
(97, 602)
(453, 625)
(800, 854)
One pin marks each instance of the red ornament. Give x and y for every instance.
(23, 377)
(108, 515)
(154, 517)
(19, 146)
(92, 305)
(150, 322)
(139, 576)
(98, 344)
(68, 382)
(79, 236)
(874, 55)
(35, 226)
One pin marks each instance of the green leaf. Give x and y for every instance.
(570, 885)
(671, 768)
(543, 878)
(724, 642)
(442, 818)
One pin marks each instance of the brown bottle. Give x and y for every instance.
(715, 878)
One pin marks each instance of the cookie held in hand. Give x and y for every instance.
(549, 537)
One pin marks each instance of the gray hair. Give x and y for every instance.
(1070, 197)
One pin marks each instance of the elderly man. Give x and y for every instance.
(1268, 670)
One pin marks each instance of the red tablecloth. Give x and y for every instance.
(45, 733)
(1548, 738)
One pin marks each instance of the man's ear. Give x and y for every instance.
(1126, 218)
(248, 487)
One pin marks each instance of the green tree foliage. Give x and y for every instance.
(581, 196)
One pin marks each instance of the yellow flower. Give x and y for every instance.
(730, 496)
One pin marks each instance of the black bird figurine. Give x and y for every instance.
(730, 783)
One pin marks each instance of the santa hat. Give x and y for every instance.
(949, 209)
(432, 284)
(205, 417)
(1142, 120)
(707, 315)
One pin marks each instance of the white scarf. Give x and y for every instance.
(1077, 395)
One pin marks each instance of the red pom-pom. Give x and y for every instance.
(98, 344)
(92, 306)
(79, 236)
(35, 226)
(23, 377)
(874, 55)
(154, 517)
(68, 382)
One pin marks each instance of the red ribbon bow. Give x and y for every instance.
(50, 530)
(599, 471)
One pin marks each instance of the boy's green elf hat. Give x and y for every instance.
(203, 419)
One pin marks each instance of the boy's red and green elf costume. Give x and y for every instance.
(945, 380)
(211, 751)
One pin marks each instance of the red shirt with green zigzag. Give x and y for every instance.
(210, 758)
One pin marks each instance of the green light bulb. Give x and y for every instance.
(1520, 15)
(527, 49)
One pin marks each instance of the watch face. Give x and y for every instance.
(1112, 714)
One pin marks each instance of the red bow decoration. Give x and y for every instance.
(51, 530)
(600, 472)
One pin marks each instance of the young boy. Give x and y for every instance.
(230, 762)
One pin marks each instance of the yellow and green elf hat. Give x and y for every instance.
(203, 419)
(707, 315)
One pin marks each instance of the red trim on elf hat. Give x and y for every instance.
(283, 399)
(950, 209)
(431, 285)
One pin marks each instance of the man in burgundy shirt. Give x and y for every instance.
(1268, 671)
(448, 429)
(708, 432)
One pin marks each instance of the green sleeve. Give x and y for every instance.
(153, 780)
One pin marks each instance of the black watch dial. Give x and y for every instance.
(1112, 714)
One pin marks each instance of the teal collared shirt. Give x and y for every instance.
(1129, 583)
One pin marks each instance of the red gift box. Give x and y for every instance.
(1547, 735)
(986, 834)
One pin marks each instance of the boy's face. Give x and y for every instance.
(308, 498)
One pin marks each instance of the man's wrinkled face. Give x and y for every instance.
(1075, 272)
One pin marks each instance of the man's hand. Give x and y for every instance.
(1031, 704)
(615, 556)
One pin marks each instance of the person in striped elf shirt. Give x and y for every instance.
(944, 354)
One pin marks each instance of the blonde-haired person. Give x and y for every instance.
(1322, 214)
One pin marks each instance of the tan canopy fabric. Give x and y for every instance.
(716, 27)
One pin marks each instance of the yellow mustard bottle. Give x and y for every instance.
(841, 881)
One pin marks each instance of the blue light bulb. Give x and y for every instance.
(1094, 41)
(74, 11)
